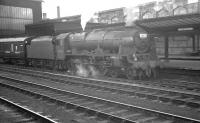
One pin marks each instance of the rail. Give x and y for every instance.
(22, 109)
(111, 109)
(182, 99)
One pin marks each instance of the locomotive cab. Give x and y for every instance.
(62, 45)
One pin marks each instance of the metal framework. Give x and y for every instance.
(187, 24)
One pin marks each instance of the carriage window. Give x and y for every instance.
(60, 42)
(12, 48)
(16, 48)
(21, 47)
(6, 47)
(143, 36)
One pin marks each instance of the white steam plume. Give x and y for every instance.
(131, 14)
(93, 71)
(81, 71)
(85, 17)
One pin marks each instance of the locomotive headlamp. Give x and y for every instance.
(143, 35)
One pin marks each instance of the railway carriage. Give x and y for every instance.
(12, 50)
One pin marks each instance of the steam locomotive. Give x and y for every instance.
(108, 52)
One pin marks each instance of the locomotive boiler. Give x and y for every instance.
(128, 51)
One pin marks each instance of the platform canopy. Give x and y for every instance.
(170, 18)
(182, 24)
(37, 0)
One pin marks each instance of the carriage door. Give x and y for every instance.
(12, 48)
(67, 48)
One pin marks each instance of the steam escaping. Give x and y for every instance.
(86, 71)
(81, 71)
(93, 71)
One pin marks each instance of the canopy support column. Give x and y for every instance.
(193, 42)
(166, 46)
(198, 43)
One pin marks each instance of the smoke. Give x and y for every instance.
(192, 1)
(131, 14)
(85, 17)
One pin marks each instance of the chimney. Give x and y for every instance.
(44, 15)
(58, 11)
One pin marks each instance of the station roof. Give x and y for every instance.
(179, 24)
(57, 26)
(37, 0)
(34, 0)
(111, 10)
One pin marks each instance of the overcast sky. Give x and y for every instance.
(75, 7)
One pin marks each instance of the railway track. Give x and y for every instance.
(11, 112)
(183, 83)
(180, 98)
(55, 103)
(85, 85)
(177, 71)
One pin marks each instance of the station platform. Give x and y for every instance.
(181, 62)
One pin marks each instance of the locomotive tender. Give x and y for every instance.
(108, 51)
